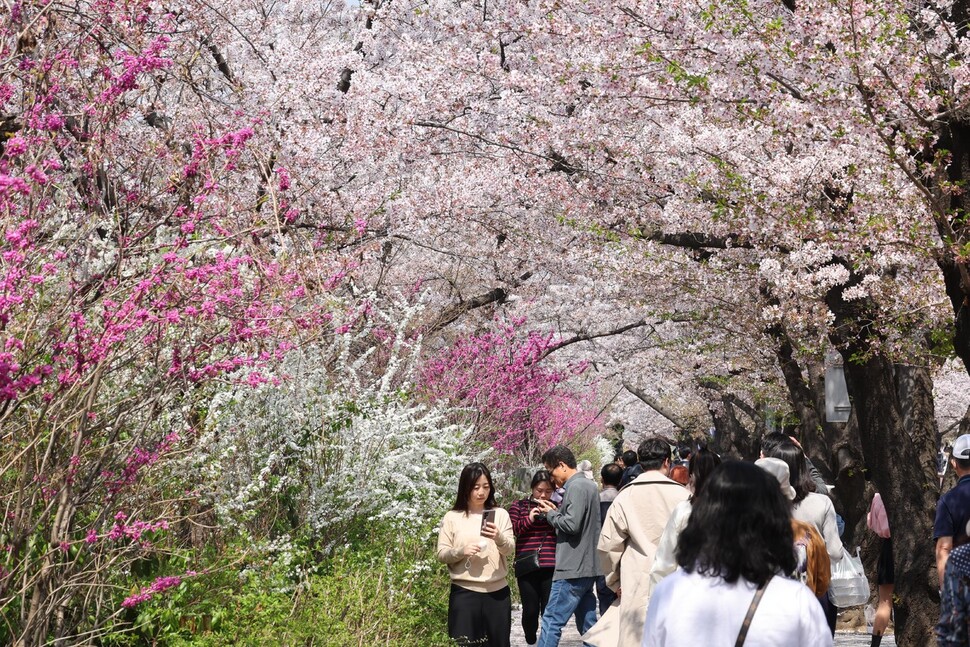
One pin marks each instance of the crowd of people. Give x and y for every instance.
(729, 553)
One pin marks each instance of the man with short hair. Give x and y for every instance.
(953, 508)
(632, 467)
(577, 526)
(610, 477)
(631, 531)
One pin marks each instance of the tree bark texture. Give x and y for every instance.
(904, 472)
(901, 460)
(955, 231)
(731, 437)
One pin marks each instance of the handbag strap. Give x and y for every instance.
(751, 609)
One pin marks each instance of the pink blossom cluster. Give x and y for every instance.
(138, 459)
(146, 593)
(133, 530)
(524, 404)
(134, 66)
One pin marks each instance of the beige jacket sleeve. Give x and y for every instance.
(449, 552)
(612, 544)
(505, 539)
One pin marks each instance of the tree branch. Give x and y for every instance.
(654, 404)
(451, 313)
(591, 336)
(220, 60)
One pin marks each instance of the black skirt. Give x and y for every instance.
(885, 573)
(480, 619)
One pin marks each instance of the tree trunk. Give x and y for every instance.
(833, 447)
(954, 138)
(841, 442)
(901, 460)
(731, 437)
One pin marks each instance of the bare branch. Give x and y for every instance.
(654, 404)
(221, 62)
(453, 312)
(591, 336)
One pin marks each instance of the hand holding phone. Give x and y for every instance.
(488, 517)
(546, 506)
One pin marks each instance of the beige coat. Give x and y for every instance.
(628, 543)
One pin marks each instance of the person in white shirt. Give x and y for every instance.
(699, 469)
(813, 508)
(737, 542)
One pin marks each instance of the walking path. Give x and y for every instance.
(570, 637)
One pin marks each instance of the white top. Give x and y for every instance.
(817, 509)
(688, 609)
(665, 561)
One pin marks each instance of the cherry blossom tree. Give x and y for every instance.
(693, 202)
(812, 149)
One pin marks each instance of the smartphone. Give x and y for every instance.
(533, 500)
(488, 516)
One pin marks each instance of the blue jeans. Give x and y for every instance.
(568, 598)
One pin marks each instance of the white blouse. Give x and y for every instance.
(689, 609)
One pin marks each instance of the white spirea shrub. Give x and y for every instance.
(605, 451)
(337, 439)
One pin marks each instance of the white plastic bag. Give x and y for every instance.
(870, 614)
(849, 586)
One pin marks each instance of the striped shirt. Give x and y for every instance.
(532, 535)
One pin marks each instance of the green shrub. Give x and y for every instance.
(379, 589)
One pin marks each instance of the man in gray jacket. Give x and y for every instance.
(577, 525)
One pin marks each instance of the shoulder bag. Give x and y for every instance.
(526, 563)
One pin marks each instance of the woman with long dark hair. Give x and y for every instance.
(476, 551)
(734, 553)
(812, 508)
(535, 552)
(699, 469)
(809, 506)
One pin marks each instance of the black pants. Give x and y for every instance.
(534, 589)
(830, 610)
(480, 618)
(604, 594)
